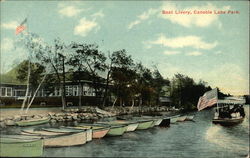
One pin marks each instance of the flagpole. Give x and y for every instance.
(28, 77)
(217, 100)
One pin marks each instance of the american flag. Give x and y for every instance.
(208, 99)
(21, 27)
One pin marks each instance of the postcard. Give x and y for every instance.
(124, 78)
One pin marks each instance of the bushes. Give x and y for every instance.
(9, 101)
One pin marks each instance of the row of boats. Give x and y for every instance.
(31, 141)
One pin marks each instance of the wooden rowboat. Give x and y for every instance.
(58, 139)
(115, 129)
(33, 121)
(97, 131)
(145, 124)
(158, 121)
(131, 125)
(165, 122)
(70, 130)
(20, 146)
(181, 118)
(173, 119)
(189, 118)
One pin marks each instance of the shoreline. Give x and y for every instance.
(9, 116)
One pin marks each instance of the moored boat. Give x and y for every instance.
(58, 139)
(173, 119)
(131, 125)
(181, 118)
(97, 131)
(33, 121)
(20, 146)
(189, 118)
(165, 122)
(158, 122)
(70, 130)
(115, 129)
(145, 124)
(228, 121)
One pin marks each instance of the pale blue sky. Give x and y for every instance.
(214, 48)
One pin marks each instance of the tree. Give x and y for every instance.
(51, 57)
(158, 83)
(88, 60)
(37, 73)
(185, 92)
(122, 75)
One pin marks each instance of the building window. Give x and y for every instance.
(3, 91)
(57, 91)
(20, 93)
(75, 90)
(68, 90)
(6, 91)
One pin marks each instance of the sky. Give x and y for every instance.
(213, 47)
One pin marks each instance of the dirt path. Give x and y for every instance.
(33, 111)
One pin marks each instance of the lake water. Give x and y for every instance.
(185, 139)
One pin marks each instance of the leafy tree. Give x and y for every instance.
(158, 83)
(185, 92)
(122, 75)
(37, 72)
(51, 57)
(88, 60)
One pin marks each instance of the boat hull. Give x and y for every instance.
(131, 125)
(228, 122)
(153, 124)
(165, 122)
(181, 118)
(21, 147)
(66, 140)
(57, 139)
(33, 122)
(97, 131)
(145, 124)
(116, 131)
(158, 122)
(189, 118)
(174, 119)
(97, 134)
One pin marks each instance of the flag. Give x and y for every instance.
(208, 99)
(21, 27)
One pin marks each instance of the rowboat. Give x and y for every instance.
(97, 131)
(58, 139)
(189, 118)
(145, 124)
(20, 146)
(181, 118)
(158, 121)
(70, 130)
(115, 129)
(174, 119)
(33, 121)
(165, 122)
(131, 125)
(228, 121)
